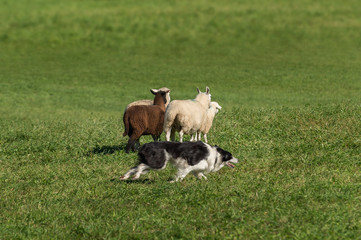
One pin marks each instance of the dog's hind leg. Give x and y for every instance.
(141, 169)
(131, 172)
(136, 171)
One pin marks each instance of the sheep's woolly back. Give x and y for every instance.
(186, 115)
(140, 102)
(211, 113)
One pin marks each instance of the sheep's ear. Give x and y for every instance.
(154, 91)
(207, 90)
(199, 91)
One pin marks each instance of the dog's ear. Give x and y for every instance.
(199, 91)
(226, 156)
(220, 150)
(207, 90)
(154, 91)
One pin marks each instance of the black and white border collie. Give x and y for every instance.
(198, 158)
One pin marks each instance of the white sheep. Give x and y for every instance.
(150, 102)
(214, 107)
(186, 116)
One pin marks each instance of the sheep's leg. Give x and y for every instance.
(199, 136)
(181, 133)
(137, 144)
(172, 135)
(205, 137)
(129, 145)
(194, 137)
(134, 145)
(168, 135)
(131, 142)
(155, 138)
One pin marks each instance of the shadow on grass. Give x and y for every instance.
(104, 150)
(130, 181)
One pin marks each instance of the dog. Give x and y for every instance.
(198, 158)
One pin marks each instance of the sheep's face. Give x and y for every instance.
(167, 93)
(164, 94)
(216, 106)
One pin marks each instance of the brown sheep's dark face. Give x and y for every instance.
(162, 93)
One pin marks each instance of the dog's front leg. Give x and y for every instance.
(200, 175)
(182, 173)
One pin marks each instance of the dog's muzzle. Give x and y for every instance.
(229, 163)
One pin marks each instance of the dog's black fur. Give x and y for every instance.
(152, 153)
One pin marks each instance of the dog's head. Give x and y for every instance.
(224, 158)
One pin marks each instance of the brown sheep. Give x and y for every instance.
(145, 120)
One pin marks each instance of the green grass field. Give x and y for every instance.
(287, 74)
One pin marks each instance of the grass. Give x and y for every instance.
(286, 74)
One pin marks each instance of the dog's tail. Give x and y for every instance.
(126, 123)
